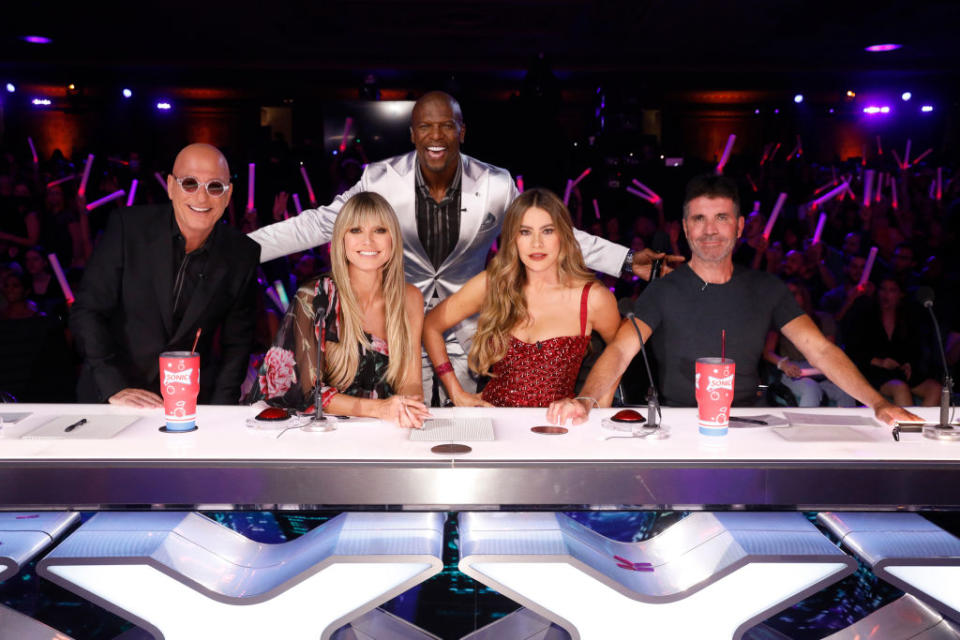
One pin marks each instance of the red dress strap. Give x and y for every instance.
(583, 308)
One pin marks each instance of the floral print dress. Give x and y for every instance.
(287, 377)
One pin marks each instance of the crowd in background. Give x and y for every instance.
(879, 323)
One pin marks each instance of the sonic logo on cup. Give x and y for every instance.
(719, 383)
(178, 377)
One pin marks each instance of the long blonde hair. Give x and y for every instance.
(342, 359)
(505, 305)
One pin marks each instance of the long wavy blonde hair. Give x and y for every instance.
(342, 360)
(505, 305)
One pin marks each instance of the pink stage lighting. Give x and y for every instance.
(879, 48)
(36, 39)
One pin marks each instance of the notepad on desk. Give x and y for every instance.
(454, 430)
(102, 427)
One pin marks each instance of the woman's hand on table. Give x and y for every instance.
(560, 411)
(891, 414)
(131, 397)
(406, 411)
(467, 399)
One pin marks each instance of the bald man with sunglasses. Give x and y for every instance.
(160, 273)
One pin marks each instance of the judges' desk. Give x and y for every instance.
(366, 464)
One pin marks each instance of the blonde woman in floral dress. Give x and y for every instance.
(366, 320)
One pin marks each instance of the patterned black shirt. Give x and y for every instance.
(438, 223)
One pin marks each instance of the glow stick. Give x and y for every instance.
(896, 156)
(906, 154)
(726, 154)
(163, 183)
(296, 203)
(879, 147)
(931, 192)
(650, 192)
(640, 194)
(773, 215)
(306, 181)
(86, 175)
(275, 299)
(62, 279)
(61, 180)
(893, 193)
(583, 175)
(346, 133)
(797, 150)
(281, 293)
(756, 206)
(823, 188)
(766, 152)
(774, 152)
(596, 209)
(863, 155)
(33, 150)
(251, 183)
(833, 172)
(878, 192)
(520, 184)
(867, 268)
(105, 199)
(753, 185)
(830, 195)
(939, 183)
(868, 176)
(133, 192)
(566, 193)
(820, 224)
(922, 156)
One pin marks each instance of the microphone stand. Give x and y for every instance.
(944, 430)
(319, 422)
(653, 401)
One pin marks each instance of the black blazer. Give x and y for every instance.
(123, 315)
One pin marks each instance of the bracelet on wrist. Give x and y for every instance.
(445, 368)
(593, 400)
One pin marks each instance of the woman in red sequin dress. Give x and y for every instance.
(538, 305)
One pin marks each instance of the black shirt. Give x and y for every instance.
(187, 268)
(687, 316)
(438, 223)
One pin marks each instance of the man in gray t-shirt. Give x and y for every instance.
(691, 307)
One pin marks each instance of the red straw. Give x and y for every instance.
(196, 340)
(723, 345)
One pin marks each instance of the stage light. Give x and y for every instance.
(41, 102)
(11, 87)
(884, 109)
(830, 110)
(36, 39)
(927, 108)
(879, 48)
(873, 110)
(776, 110)
(756, 111)
(164, 106)
(905, 96)
(127, 93)
(71, 87)
(851, 94)
(798, 98)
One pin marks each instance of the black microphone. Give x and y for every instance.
(925, 297)
(317, 400)
(653, 401)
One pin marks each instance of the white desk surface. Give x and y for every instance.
(224, 436)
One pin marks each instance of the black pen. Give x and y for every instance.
(75, 425)
(747, 420)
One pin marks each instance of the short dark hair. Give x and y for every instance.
(712, 186)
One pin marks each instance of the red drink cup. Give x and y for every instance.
(714, 389)
(179, 385)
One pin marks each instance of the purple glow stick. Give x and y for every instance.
(640, 194)
(922, 156)
(939, 183)
(896, 156)
(306, 181)
(251, 182)
(163, 183)
(879, 147)
(893, 193)
(275, 299)
(61, 180)
(879, 190)
(726, 154)
(520, 184)
(86, 175)
(773, 215)
(830, 195)
(868, 177)
(566, 193)
(296, 203)
(33, 150)
(650, 192)
(133, 192)
(105, 199)
(62, 279)
(820, 224)
(346, 133)
(583, 175)
(823, 188)
(596, 209)
(867, 268)
(906, 154)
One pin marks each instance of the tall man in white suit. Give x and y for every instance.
(451, 208)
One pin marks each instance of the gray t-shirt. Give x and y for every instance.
(687, 316)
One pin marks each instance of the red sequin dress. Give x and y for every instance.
(534, 375)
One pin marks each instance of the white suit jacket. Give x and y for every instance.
(486, 192)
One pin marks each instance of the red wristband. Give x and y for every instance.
(446, 367)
